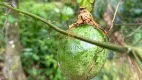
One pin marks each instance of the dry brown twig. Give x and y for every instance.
(115, 14)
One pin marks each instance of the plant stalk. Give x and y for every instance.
(110, 46)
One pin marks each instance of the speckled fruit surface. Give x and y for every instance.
(80, 60)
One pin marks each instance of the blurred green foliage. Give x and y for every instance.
(39, 58)
(128, 18)
(39, 41)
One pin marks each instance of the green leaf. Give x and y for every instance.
(86, 3)
(79, 1)
(67, 11)
(34, 72)
(36, 57)
(91, 1)
(11, 19)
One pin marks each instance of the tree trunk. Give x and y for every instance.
(12, 69)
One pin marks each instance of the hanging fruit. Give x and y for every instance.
(80, 60)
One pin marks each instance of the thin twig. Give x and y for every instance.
(114, 15)
(138, 41)
(136, 68)
(7, 13)
(134, 31)
(130, 24)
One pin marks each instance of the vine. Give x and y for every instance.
(134, 52)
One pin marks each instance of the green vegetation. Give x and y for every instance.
(40, 50)
(40, 54)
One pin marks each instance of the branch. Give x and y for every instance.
(114, 15)
(134, 31)
(98, 43)
(129, 24)
(132, 51)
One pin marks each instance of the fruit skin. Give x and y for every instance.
(80, 60)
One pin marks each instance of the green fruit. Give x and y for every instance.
(80, 60)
